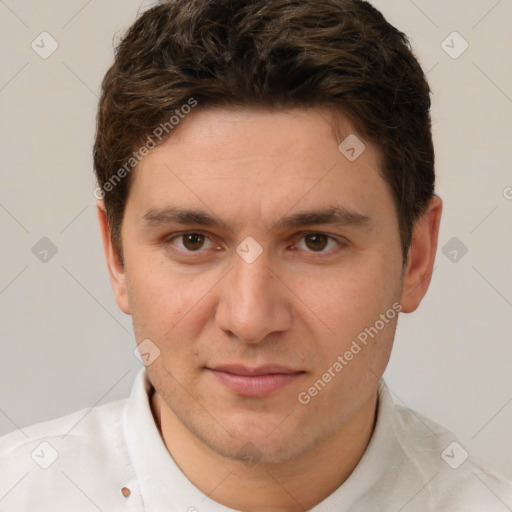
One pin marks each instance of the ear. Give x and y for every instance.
(115, 267)
(421, 256)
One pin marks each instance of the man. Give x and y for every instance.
(266, 200)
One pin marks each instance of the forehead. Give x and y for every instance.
(262, 161)
(237, 131)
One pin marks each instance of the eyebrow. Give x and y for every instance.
(174, 214)
(339, 216)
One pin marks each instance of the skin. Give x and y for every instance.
(298, 304)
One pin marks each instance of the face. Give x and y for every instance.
(266, 268)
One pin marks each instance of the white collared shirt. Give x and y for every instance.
(112, 458)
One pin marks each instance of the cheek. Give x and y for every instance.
(350, 305)
(168, 305)
(167, 311)
(158, 298)
(351, 367)
(352, 298)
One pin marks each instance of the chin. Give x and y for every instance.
(257, 451)
(264, 444)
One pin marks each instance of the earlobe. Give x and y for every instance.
(115, 267)
(421, 256)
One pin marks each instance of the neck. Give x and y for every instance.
(294, 485)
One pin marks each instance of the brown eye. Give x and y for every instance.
(316, 241)
(193, 241)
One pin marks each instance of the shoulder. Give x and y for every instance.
(452, 477)
(83, 425)
(61, 456)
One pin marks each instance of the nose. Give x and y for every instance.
(253, 302)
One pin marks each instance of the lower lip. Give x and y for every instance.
(255, 385)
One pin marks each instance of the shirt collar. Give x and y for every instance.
(373, 474)
(161, 482)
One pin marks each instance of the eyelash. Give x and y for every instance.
(168, 242)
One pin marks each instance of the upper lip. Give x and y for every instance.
(266, 369)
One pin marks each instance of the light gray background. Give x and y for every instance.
(65, 345)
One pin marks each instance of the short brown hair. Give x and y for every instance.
(341, 54)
